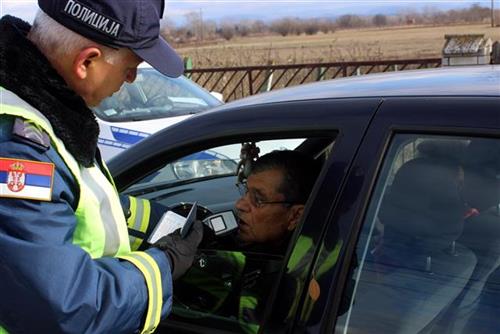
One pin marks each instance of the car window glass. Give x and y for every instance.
(429, 248)
(153, 95)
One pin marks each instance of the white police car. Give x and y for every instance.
(152, 102)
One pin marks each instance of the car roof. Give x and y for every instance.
(270, 113)
(481, 80)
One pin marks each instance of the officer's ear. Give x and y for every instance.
(85, 59)
(294, 215)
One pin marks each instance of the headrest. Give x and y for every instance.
(443, 150)
(483, 154)
(424, 201)
(481, 164)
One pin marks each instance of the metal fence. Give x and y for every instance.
(238, 82)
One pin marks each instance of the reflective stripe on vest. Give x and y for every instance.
(147, 265)
(101, 228)
(327, 259)
(139, 219)
(301, 258)
(248, 304)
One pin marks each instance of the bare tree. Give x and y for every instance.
(259, 27)
(226, 31)
(195, 24)
(326, 25)
(380, 20)
(350, 21)
(284, 26)
(492, 13)
(311, 27)
(196, 28)
(167, 29)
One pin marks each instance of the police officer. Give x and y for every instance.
(65, 259)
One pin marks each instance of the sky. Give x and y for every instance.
(223, 10)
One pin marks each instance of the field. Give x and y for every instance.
(342, 45)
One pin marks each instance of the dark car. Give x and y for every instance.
(403, 223)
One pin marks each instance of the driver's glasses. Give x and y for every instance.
(256, 200)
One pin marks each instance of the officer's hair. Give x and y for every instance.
(55, 40)
(299, 173)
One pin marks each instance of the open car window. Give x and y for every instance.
(211, 163)
(229, 286)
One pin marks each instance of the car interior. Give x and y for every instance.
(211, 293)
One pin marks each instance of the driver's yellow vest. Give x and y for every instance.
(101, 228)
(300, 258)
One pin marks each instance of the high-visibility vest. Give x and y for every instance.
(140, 212)
(101, 228)
(212, 283)
(301, 257)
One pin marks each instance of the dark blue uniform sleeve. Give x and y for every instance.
(48, 284)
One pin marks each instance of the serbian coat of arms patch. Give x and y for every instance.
(26, 179)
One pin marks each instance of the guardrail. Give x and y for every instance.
(238, 82)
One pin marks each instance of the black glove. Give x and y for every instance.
(180, 251)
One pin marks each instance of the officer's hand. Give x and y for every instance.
(180, 251)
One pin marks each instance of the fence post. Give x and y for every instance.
(250, 82)
(320, 73)
(268, 79)
(188, 65)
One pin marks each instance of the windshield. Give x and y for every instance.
(153, 95)
(213, 163)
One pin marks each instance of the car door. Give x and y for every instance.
(344, 121)
(411, 259)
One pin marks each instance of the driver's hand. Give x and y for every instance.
(179, 251)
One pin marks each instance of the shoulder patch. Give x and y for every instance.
(31, 133)
(26, 179)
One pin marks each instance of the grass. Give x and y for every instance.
(342, 45)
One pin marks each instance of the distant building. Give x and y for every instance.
(470, 49)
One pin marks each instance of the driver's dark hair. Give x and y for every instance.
(299, 173)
